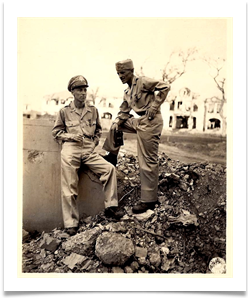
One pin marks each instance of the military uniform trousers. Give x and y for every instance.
(148, 138)
(74, 154)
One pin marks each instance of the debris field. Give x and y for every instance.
(185, 231)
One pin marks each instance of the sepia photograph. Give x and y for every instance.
(125, 151)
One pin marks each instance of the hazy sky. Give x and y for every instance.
(52, 50)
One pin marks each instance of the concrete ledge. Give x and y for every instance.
(42, 180)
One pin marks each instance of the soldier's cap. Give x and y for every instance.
(124, 65)
(77, 81)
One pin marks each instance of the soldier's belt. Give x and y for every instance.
(88, 137)
(144, 113)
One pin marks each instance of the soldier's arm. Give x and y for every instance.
(162, 87)
(98, 130)
(123, 114)
(160, 97)
(59, 132)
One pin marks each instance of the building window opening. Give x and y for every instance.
(195, 108)
(213, 123)
(179, 104)
(182, 122)
(170, 121)
(194, 122)
(172, 105)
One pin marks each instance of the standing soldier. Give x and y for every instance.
(78, 129)
(140, 96)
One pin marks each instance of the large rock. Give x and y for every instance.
(113, 248)
(82, 243)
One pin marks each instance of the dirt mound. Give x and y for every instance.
(185, 231)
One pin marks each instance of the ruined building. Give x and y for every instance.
(188, 110)
(185, 111)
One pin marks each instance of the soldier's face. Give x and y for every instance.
(80, 94)
(126, 76)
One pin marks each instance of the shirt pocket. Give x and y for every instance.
(73, 126)
(137, 97)
(139, 100)
(91, 126)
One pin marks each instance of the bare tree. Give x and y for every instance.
(177, 64)
(216, 66)
(93, 94)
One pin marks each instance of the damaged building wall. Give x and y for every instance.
(42, 178)
(215, 111)
(188, 111)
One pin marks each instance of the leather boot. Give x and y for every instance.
(113, 212)
(143, 207)
(72, 231)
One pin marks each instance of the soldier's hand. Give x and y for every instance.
(150, 113)
(76, 137)
(114, 126)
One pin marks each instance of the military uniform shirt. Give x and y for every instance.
(69, 120)
(140, 97)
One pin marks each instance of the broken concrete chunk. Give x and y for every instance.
(90, 264)
(117, 270)
(113, 249)
(142, 261)
(74, 259)
(116, 227)
(49, 243)
(141, 252)
(162, 199)
(128, 269)
(43, 253)
(61, 235)
(165, 250)
(155, 259)
(185, 218)
(144, 216)
(167, 264)
(134, 266)
(183, 186)
(82, 243)
(175, 177)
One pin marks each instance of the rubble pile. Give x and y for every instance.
(185, 231)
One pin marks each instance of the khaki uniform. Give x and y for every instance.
(140, 97)
(73, 154)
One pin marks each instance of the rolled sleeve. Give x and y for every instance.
(98, 130)
(162, 87)
(123, 114)
(59, 129)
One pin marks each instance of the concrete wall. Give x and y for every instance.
(42, 179)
